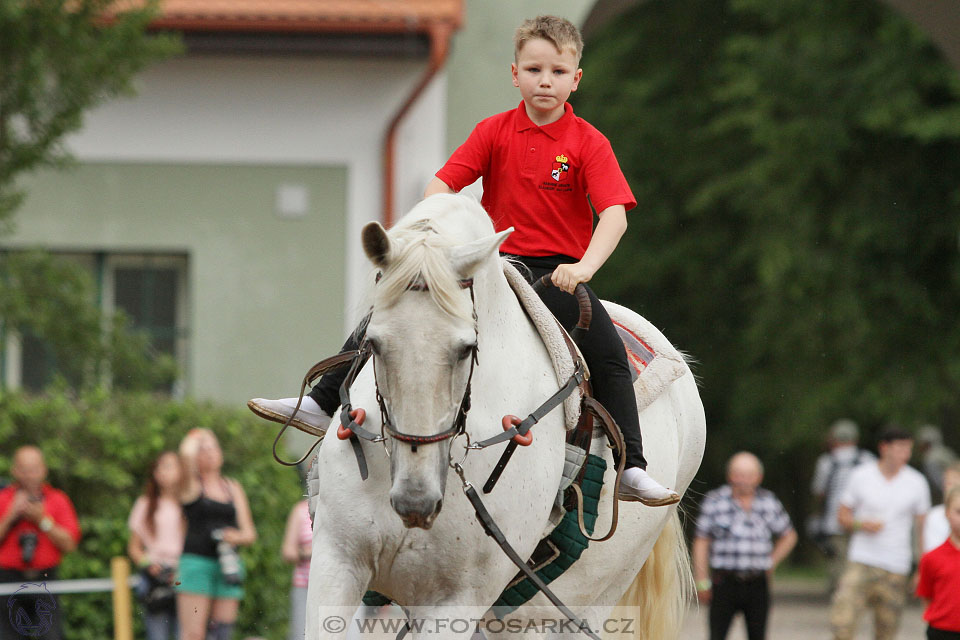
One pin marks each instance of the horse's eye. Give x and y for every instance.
(465, 352)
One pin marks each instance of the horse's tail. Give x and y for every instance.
(658, 598)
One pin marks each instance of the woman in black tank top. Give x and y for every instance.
(218, 520)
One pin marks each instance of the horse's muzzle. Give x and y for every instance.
(416, 510)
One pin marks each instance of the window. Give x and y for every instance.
(150, 289)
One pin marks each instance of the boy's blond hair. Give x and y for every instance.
(952, 495)
(559, 32)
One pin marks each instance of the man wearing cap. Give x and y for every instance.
(829, 480)
(935, 457)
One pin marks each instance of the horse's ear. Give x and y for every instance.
(376, 244)
(466, 258)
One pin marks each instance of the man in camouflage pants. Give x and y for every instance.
(883, 504)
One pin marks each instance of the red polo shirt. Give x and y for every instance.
(940, 584)
(536, 179)
(57, 505)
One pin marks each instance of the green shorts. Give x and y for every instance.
(200, 574)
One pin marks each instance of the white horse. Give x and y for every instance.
(388, 533)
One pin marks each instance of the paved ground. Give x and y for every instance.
(800, 612)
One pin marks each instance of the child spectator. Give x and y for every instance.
(297, 548)
(939, 582)
(936, 529)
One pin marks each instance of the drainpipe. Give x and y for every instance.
(439, 34)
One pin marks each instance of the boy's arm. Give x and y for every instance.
(437, 186)
(612, 225)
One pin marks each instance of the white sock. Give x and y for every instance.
(631, 477)
(308, 404)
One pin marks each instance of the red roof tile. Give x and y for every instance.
(358, 16)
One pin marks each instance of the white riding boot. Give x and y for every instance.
(310, 418)
(637, 485)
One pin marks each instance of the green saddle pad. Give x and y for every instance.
(564, 545)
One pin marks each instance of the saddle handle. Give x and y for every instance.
(583, 300)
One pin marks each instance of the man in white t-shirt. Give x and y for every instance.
(936, 529)
(883, 506)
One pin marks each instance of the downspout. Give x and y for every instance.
(439, 33)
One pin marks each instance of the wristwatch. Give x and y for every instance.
(46, 523)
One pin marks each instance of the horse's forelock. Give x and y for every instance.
(420, 242)
(420, 255)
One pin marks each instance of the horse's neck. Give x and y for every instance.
(501, 320)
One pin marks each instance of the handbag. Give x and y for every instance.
(156, 593)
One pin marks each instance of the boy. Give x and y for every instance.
(540, 164)
(939, 581)
(936, 529)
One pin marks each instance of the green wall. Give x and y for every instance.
(265, 294)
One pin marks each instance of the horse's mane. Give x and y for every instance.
(419, 245)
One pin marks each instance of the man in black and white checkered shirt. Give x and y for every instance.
(742, 534)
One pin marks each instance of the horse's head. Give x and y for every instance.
(423, 335)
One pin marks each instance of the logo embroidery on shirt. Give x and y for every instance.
(561, 168)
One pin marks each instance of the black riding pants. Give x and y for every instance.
(601, 348)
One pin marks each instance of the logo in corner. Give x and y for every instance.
(31, 615)
(561, 168)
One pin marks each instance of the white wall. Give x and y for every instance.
(246, 109)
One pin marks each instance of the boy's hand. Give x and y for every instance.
(567, 276)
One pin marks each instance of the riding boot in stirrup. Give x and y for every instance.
(310, 417)
(637, 485)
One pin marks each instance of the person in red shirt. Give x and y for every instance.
(544, 172)
(38, 524)
(939, 580)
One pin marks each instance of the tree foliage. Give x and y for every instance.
(57, 60)
(796, 166)
(98, 448)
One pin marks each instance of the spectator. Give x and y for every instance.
(157, 529)
(883, 501)
(936, 528)
(935, 457)
(218, 521)
(829, 480)
(734, 538)
(38, 524)
(939, 580)
(297, 548)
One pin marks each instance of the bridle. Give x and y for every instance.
(459, 425)
(351, 420)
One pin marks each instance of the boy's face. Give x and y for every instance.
(546, 78)
(952, 511)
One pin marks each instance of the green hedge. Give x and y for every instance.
(98, 447)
